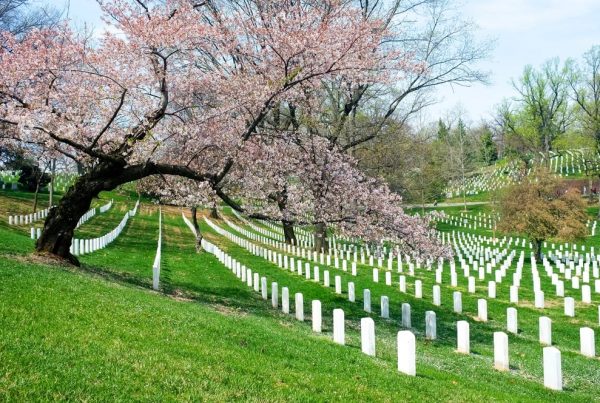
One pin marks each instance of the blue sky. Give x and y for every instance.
(525, 31)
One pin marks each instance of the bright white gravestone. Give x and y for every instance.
(338, 326)
(501, 351)
(482, 310)
(512, 324)
(317, 321)
(492, 289)
(569, 306)
(299, 306)
(367, 336)
(437, 295)
(463, 338)
(351, 292)
(285, 300)
(418, 289)
(552, 368)
(326, 281)
(457, 297)
(587, 342)
(338, 285)
(406, 315)
(430, 325)
(367, 300)
(274, 295)
(407, 353)
(545, 330)
(385, 307)
(263, 287)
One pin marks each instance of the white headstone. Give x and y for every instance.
(552, 368)
(351, 292)
(406, 315)
(569, 306)
(338, 326)
(430, 325)
(457, 297)
(326, 282)
(545, 324)
(514, 294)
(367, 300)
(338, 285)
(512, 324)
(437, 295)
(482, 310)
(492, 289)
(501, 351)
(299, 306)
(539, 299)
(385, 307)
(418, 289)
(274, 295)
(263, 287)
(586, 294)
(463, 338)
(285, 300)
(317, 321)
(407, 353)
(367, 336)
(587, 342)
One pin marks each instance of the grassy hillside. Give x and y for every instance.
(99, 333)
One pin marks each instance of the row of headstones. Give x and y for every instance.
(539, 300)
(552, 376)
(84, 246)
(92, 212)
(457, 299)
(301, 233)
(406, 341)
(28, 218)
(491, 286)
(575, 282)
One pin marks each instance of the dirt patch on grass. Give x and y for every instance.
(229, 311)
(42, 259)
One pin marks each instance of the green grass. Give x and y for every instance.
(99, 332)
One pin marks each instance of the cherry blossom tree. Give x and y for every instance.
(177, 90)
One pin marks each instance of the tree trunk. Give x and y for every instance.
(35, 195)
(321, 244)
(51, 187)
(214, 212)
(61, 221)
(197, 228)
(288, 226)
(537, 249)
(288, 232)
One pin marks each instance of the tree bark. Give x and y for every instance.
(288, 226)
(61, 221)
(321, 244)
(537, 249)
(288, 232)
(35, 196)
(51, 187)
(197, 228)
(214, 212)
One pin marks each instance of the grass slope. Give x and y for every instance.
(100, 333)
